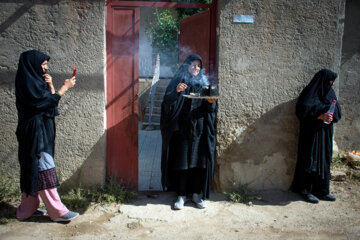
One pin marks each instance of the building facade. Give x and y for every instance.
(260, 66)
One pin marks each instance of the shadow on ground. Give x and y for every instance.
(267, 197)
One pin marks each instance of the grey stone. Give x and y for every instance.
(338, 176)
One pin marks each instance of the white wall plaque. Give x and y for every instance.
(243, 19)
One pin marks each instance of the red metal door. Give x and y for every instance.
(122, 44)
(195, 37)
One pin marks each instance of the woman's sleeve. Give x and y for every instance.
(48, 100)
(310, 110)
(171, 95)
(337, 113)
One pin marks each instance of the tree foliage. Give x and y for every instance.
(164, 28)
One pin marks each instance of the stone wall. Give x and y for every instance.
(348, 130)
(262, 67)
(72, 33)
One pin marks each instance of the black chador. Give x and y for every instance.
(188, 134)
(312, 174)
(36, 107)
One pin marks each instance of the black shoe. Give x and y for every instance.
(328, 198)
(311, 198)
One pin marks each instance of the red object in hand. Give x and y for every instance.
(74, 72)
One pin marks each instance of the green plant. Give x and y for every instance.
(241, 194)
(354, 164)
(186, 12)
(356, 176)
(339, 161)
(164, 31)
(113, 192)
(76, 199)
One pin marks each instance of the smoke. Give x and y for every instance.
(201, 78)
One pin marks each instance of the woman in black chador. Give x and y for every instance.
(36, 103)
(312, 174)
(188, 135)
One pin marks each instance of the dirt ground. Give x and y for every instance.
(278, 215)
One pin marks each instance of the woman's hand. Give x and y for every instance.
(48, 80)
(211, 100)
(68, 83)
(181, 87)
(326, 117)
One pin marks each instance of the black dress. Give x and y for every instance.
(312, 173)
(36, 107)
(187, 128)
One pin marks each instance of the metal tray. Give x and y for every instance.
(201, 97)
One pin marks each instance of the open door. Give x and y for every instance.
(195, 37)
(122, 39)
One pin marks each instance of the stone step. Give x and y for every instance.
(155, 117)
(161, 89)
(156, 109)
(164, 82)
(158, 98)
(152, 123)
(149, 127)
(157, 102)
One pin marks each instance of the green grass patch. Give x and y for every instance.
(339, 161)
(9, 195)
(113, 192)
(242, 194)
(9, 189)
(354, 164)
(356, 176)
(75, 199)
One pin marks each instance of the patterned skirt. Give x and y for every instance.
(47, 173)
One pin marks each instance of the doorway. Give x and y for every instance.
(135, 84)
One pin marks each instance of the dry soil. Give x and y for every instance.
(279, 215)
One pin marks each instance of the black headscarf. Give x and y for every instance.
(317, 96)
(170, 111)
(183, 74)
(32, 92)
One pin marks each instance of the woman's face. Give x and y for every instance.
(194, 68)
(44, 66)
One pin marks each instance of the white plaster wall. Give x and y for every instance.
(72, 33)
(262, 67)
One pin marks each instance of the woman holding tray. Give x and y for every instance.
(188, 135)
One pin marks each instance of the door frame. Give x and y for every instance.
(212, 45)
